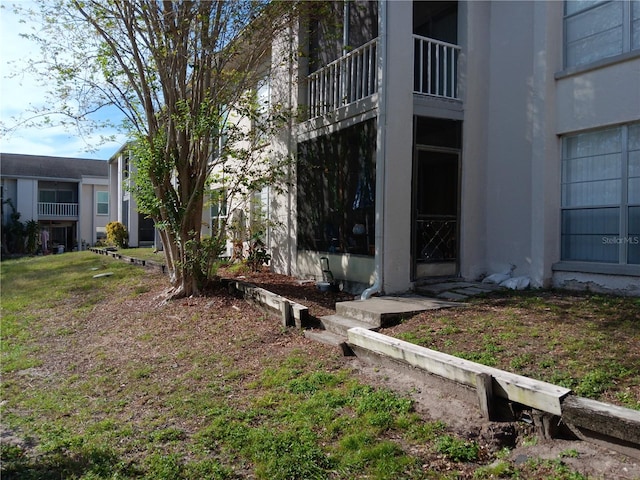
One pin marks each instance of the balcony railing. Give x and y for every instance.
(353, 76)
(346, 80)
(57, 209)
(435, 67)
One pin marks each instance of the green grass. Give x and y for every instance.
(178, 405)
(589, 343)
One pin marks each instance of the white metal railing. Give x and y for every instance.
(435, 67)
(346, 80)
(46, 209)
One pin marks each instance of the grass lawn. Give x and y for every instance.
(583, 341)
(102, 380)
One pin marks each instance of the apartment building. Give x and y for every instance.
(452, 139)
(68, 197)
(140, 227)
(460, 139)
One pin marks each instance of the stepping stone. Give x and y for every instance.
(452, 296)
(100, 275)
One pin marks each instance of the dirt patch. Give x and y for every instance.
(149, 349)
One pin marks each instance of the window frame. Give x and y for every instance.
(624, 239)
(219, 200)
(627, 23)
(98, 202)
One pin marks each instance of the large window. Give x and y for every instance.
(336, 191)
(56, 196)
(218, 210)
(102, 203)
(600, 29)
(601, 196)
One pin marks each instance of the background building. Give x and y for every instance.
(68, 197)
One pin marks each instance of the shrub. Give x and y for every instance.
(117, 234)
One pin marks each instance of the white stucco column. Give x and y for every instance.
(397, 128)
(545, 145)
(474, 28)
(284, 77)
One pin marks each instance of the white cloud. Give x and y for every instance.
(19, 91)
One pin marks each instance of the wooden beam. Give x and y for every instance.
(611, 420)
(533, 393)
(484, 387)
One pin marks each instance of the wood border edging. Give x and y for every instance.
(612, 426)
(533, 393)
(291, 313)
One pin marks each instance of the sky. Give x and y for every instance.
(16, 94)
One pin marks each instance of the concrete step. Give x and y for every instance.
(382, 311)
(339, 325)
(441, 290)
(329, 338)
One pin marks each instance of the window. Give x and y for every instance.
(218, 210)
(261, 123)
(601, 196)
(47, 196)
(336, 191)
(56, 196)
(102, 203)
(600, 29)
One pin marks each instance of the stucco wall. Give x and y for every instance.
(397, 125)
(27, 199)
(608, 95)
(474, 29)
(508, 233)
(89, 220)
(510, 176)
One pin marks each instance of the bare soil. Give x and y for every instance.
(438, 399)
(219, 325)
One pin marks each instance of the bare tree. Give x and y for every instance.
(184, 74)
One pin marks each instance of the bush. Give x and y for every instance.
(117, 234)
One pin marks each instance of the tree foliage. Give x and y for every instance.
(185, 76)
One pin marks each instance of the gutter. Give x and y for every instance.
(380, 156)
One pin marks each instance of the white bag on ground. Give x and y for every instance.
(496, 278)
(516, 283)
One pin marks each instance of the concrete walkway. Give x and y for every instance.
(378, 312)
(456, 290)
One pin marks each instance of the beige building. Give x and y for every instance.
(68, 197)
(454, 139)
(461, 139)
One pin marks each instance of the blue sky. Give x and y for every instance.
(16, 94)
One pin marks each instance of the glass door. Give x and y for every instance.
(436, 205)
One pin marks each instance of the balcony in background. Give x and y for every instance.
(57, 210)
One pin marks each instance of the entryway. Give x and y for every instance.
(436, 194)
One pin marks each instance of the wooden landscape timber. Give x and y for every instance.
(608, 425)
(291, 313)
(516, 388)
(611, 426)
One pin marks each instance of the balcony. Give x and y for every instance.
(353, 76)
(58, 210)
(435, 68)
(344, 81)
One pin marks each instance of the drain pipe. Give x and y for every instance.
(380, 154)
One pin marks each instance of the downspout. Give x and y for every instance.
(290, 144)
(345, 27)
(380, 154)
